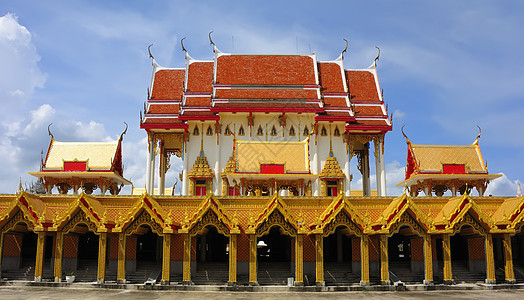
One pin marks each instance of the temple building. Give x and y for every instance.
(266, 143)
(439, 168)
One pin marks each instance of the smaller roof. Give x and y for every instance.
(97, 155)
(294, 156)
(430, 158)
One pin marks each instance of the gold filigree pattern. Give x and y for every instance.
(15, 219)
(342, 219)
(468, 219)
(209, 218)
(201, 168)
(79, 218)
(275, 218)
(144, 218)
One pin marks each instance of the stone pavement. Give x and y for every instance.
(88, 292)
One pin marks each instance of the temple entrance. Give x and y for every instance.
(338, 258)
(274, 256)
(468, 256)
(146, 264)
(406, 256)
(86, 264)
(19, 253)
(517, 249)
(212, 257)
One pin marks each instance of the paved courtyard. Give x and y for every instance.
(26, 292)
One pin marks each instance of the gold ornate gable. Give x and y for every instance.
(462, 211)
(339, 213)
(231, 166)
(210, 212)
(201, 168)
(16, 217)
(276, 212)
(84, 209)
(402, 211)
(145, 211)
(34, 210)
(332, 168)
(510, 214)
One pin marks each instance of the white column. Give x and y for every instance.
(162, 171)
(152, 169)
(218, 185)
(380, 169)
(148, 162)
(185, 178)
(314, 169)
(348, 178)
(366, 186)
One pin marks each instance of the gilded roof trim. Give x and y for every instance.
(213, 204)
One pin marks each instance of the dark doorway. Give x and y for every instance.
(274, 247)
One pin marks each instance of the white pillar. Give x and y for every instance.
(366, 185)
(150, 153)
(380, 168)
(218, 185)
(152, 169)
(314, 169)
(185, 178)
(348, 178)
(162, 171)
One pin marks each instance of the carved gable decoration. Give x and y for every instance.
(18, 217)
(155, 217)
(89, 208)
(402, 211)
(276, 212)
(211, 212)
(201, 168)
(79, 218)
(332, 169)
(339, 213)
(460, 211)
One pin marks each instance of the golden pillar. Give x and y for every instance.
(446, 253)
(59, 249)
(508, 259)
(384, 266)
(253, 259)
(364, 260)
(166, 258)
(319, 261)
(490, 260)
(39, 264)
(428, 260)
(1, 247)
(121, 271)
(102, 246)
(299, 259)
(232, 259)
(186, 268)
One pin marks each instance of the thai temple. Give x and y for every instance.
(267, 143)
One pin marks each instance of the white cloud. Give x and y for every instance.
(502, 186)
(39, 117)
(20, 74)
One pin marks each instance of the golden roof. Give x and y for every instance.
(430, 158)
(98, 155)
(294, 155)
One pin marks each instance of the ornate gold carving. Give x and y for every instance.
(144, 218)
(276, 218)
(468, 219)
(332, 169)
(15, 219)
(209, 218)
(79, 218)
(201, 168)
(342, 219)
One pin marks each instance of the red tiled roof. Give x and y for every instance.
(265, 70)
(362, 86)
(361, 110)
(161, 120)
(168, 84)
(335, 102)
(266, 94)
(163, 108)
(331, 78)
(198, 101)
(200, 77)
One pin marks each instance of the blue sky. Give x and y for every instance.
(445, 67)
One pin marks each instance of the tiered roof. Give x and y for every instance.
(265, 83)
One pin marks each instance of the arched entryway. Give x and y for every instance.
(275, 257)
(79, 253)
(19, 253)
(341, 266)
(143, 255)
(212, 257)
(468, 255)
(517, 250)
(406, 256)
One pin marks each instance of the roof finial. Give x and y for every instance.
(202, 141)
(149, 50)
(182, 43)
(124, 132)
(210, 40)
(478, 136)
(405, 136)
(378, 55)
(330, 143)
(20, 188)
(345, 49)
(519, 189)
(49, 131)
